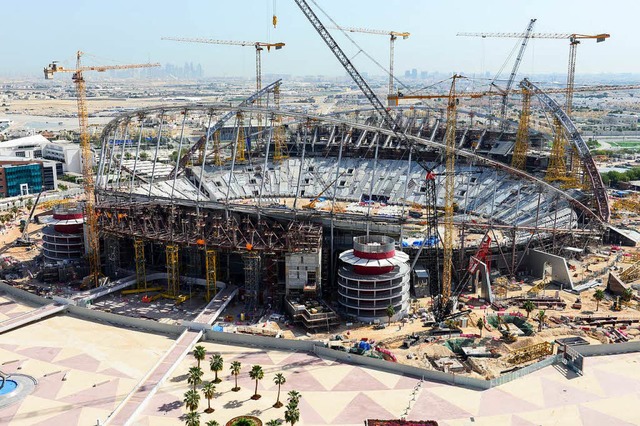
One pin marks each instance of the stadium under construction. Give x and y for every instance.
(268, 199)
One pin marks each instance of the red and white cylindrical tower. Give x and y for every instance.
(63, 238)
(374, 276)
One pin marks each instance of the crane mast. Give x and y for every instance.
(92, 243)
(449, 188)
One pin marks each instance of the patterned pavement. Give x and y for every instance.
(339, 394)
(100, 364)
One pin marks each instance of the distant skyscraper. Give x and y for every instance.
(407, 74)
(414, 73)
(424, 75)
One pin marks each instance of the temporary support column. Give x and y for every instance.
(211, 261)
(251, 279)
(240, 140)
(173, 272)
(141, 274)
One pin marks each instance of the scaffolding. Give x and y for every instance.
(211, 262)
(557, 168)
(519, 158)
(241, 140)
(112, 248)
(251, 261)
(217, 159)
(275, 291)
(141, 275)
(173, 270)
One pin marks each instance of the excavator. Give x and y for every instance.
(24, 240)
(312, 203)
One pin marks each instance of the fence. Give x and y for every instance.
(610, 349)
(507, 377)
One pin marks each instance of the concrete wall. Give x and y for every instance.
(24, 296)
(297, 267)
(124, 321)
(260, 341)
(535, 261)
(611, 349)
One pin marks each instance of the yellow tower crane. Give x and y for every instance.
(521, 147)
(393, 35)
(449, 192)
(93, 243)
(574, 40)
(557, 170)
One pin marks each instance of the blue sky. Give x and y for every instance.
(34, 32)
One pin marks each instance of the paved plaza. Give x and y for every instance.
(85, 370)
(338, 394)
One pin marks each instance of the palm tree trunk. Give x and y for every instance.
(208, 403)
(278, 395)
(236, 381)
(256, 392)
(216, 379)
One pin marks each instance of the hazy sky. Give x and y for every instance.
(34, 32)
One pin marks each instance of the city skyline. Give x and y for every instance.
(55, 33)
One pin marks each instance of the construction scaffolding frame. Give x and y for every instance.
(141, 275)
(251, 262)
(173, 270)
(211, 264)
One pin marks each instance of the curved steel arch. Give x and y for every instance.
(415, 140)
(600, 192)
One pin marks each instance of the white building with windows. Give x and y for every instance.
(38, 147)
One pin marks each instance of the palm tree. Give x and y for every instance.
(235, 370)
(480, 325)
(391, 311)
(529, 306)
(212, 423)
(191, 400)
(216, 364)
(627, 295)
(292, 415)
(256, 374)
(279, 380)
(208, 390)
(192, 419)
(199, 353)
(542, 316)
(194, 377)
(294, 398)
(275, 422)
(598, 295)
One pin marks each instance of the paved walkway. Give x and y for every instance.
(31, 316)
(148, 386)
(334, 393)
